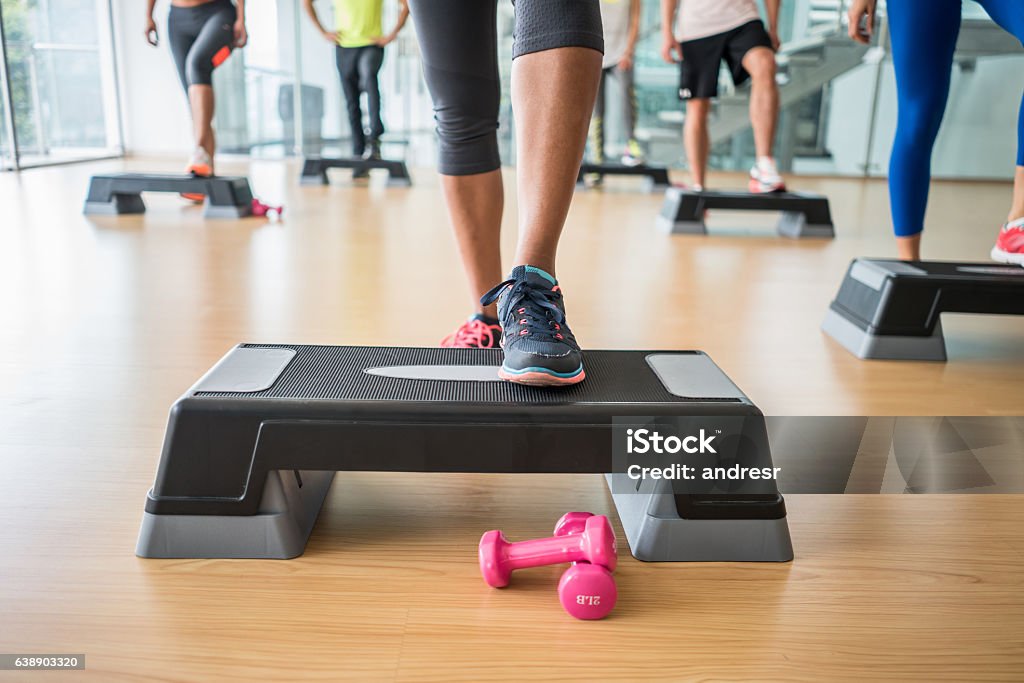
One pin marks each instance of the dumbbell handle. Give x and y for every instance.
(540, 552)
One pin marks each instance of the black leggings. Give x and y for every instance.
(459, 46)
(201, 38)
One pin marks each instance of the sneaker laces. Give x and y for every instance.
(535, 308)
(474, 333)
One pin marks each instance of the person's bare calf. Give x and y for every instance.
(475, 204)
(764, 114)
(200, 98)
(1017, 207)
(764, 98)
(553, 96)
(697, 140)
(909, 248)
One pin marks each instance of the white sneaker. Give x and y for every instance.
(634, 155)
(765, 177)
(201, 164)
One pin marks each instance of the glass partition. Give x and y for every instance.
(838, 99)
(281, 96)
(60, 68)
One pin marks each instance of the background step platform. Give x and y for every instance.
(657, 176)
(887, 309)
(803, 214)
(119, 193)
(314, 169)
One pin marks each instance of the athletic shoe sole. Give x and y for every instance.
(757, 187)
(1001, 256)
(539, 377)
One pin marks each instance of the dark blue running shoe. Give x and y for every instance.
(539, 347)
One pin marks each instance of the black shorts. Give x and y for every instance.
(702, 58)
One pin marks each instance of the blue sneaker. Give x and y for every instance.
(540, 348)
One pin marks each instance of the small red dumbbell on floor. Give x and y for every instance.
(595, 544)
(586, 591)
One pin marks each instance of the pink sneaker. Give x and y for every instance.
(475, 333)
(1010, 243)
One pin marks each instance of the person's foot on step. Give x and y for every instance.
(634, 155)
(765, 177)
(1009, 246)
(478, 332)
(540, 349)
(199, 166)
(372, 150)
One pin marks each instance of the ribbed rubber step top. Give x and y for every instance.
(358, 373)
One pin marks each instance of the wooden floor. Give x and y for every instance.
(105, 321)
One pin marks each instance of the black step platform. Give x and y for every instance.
(657, 176)
(314, 169)
(251, 449)
(118, 193)
(803, 214)
(888, 309)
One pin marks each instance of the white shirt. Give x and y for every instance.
(615, 18)
(703, 18)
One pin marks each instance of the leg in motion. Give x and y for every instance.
(460, 65)
(924, 34)
(697, 140)
(698, 85)
(347, 60)
(634, 155)
(211, 48)
(759, 62)
(597, 139)
(370, 61)
(555, 72)
(553, 93)
(1009, 246)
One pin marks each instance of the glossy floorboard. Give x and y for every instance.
(105, 321)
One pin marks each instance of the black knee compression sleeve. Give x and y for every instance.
(549, 24)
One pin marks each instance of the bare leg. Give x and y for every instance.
(1017, 210)
(909, 248)
(764, 98)
(200, 99)
(696, 138)
(475, 203)
(553, 97)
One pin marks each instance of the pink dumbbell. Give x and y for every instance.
(499, 558)
(586, 591)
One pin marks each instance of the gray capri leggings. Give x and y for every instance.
(459, 45)
(201, 38)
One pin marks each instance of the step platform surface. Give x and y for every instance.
(251, 449)
(802, 214)
(657, 176)
(314, 169)
(121, 193)
(888, 309)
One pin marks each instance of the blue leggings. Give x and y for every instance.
(924, 34)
